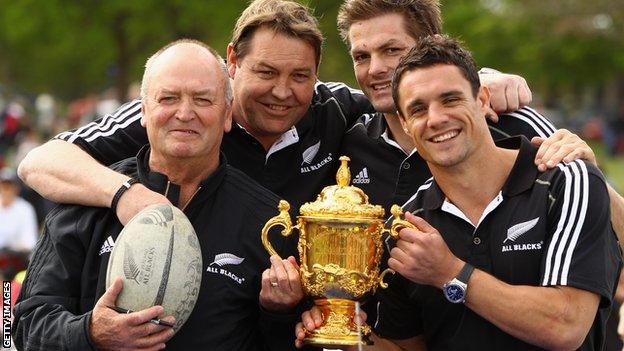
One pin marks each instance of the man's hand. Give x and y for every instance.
(562, 146)
(114, 331)
(508, 92)
(135, 199)
(313, 319)
(281, 285)
(422, 256)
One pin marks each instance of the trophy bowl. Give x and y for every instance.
(340, 246)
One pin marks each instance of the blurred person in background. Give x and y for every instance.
(18, 232)
(108, 103)
(46, 114)
(9, 128)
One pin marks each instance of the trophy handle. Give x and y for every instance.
(395, 227)
(397, 222)
(383, 284)
(283, 219)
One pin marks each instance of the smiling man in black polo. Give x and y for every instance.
(503, 257)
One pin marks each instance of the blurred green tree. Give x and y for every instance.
(71, 48)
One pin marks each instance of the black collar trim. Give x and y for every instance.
(158, 182)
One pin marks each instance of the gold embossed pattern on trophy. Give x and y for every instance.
(340, 246)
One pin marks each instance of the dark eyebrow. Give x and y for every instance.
(451, 93)
(413, 104)
(391, 42)
(385, 45)
(263, 65)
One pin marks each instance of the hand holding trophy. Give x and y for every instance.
(340, 245)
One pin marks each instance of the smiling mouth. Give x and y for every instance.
(378, 87)
(276, 107)
(444, 137)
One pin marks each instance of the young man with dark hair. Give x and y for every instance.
(501, 256)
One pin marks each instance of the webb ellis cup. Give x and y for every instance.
(340, 245)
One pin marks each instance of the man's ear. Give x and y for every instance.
(143, 112)
(403, 122)
(227, 123)
(232, 60)
(483, 99)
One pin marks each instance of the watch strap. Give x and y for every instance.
(465, 273)
(122, 189)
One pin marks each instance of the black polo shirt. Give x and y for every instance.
(389, 176)
(297, 166)
(543, 229)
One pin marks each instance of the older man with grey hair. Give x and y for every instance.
(186, 108)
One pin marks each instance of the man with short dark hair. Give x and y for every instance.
(501, 255)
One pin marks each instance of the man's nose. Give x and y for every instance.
(436, 115)
(282, 89)
(377, 65)
(186, 111)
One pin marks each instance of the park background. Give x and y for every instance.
(64, 63)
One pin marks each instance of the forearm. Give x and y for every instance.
(62, 172)
(617, 213)
(51, 327)
(549, 317)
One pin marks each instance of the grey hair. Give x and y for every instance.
(229, 94)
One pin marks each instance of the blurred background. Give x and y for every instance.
(64, 63)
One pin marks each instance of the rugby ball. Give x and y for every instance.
(158, 257)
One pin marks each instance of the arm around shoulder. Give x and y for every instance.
(63, 172)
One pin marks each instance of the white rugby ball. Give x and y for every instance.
(158, 257)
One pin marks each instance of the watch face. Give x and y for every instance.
(454, 293)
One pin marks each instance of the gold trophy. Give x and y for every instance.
(340, 245)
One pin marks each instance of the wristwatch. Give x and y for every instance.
(455, 290)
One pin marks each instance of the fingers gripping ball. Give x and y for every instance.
(158, 256)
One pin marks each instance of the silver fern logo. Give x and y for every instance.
(517, 230)
(130, 267)
(227, 259)
(309, 153)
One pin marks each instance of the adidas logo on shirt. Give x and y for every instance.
(362, 177)
(108, 246)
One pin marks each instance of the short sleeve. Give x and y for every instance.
(581, 250)
(524, 121)
(113, 137)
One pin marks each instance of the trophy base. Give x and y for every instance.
(339, 326)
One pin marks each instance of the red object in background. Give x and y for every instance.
(11, 125)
